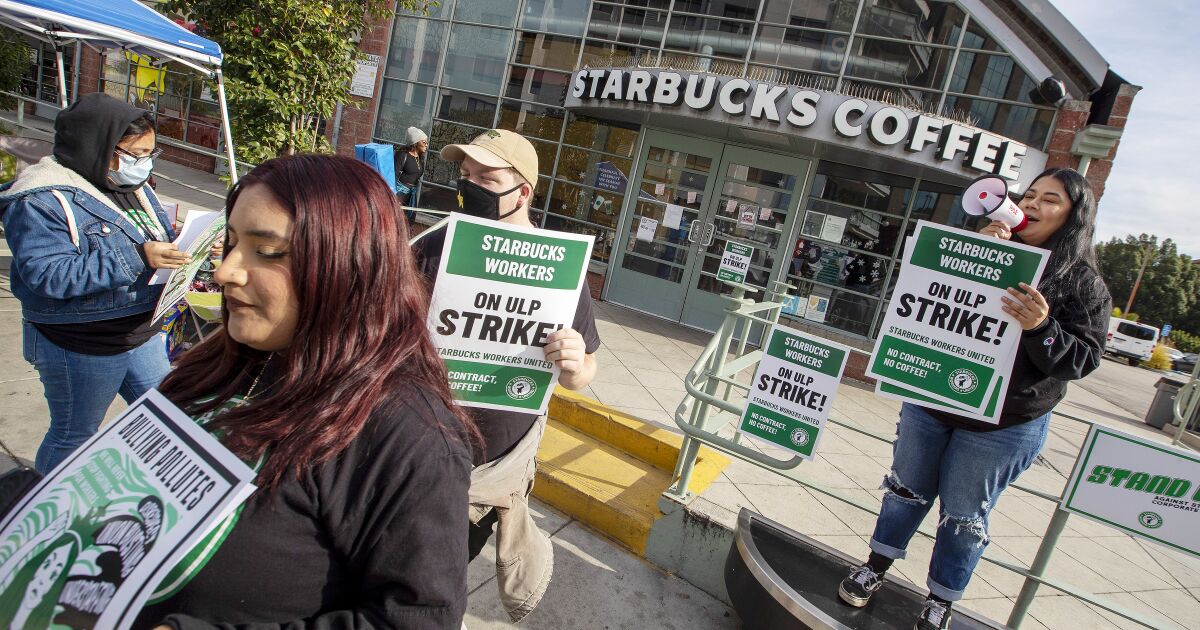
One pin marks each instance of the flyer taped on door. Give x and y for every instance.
(501, 291)
(646, 229)
(673, 217)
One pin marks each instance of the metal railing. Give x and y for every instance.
(708, 408)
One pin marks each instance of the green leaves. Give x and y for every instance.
(288, 64)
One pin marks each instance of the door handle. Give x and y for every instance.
(710, 233)
(692, 231)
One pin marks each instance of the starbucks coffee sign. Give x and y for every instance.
(825, 116)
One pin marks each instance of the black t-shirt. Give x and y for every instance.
(409, 172)
(374, 538)
(503, 429)
(105, 337)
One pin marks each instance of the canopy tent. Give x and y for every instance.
(118, 24)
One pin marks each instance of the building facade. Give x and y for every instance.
(818, 132)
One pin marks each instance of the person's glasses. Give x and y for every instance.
(141, 159)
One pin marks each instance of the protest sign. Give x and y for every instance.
(87, 546)
(945, 338)
(180, 280)
(793, 390)
(501, 290)
(735, 262)
(1145, 488)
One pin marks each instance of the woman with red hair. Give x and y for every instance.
(325, 380)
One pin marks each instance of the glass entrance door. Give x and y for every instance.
(693, 196)
(755, 204)
(660, 236)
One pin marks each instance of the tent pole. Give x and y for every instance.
(75, 70)
(62, 77)
(225, 128)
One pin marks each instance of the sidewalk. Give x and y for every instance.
(642, 364)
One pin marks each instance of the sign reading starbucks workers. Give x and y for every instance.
(88, 545)
(1145, 488)
(735, 262)
(945, 342)
(793, 390)
(501, 290)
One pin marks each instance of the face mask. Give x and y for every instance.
(476, 201)
(129, 172)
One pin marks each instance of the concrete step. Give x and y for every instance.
(608, 469)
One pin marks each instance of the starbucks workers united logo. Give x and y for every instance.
(520, 388)
(800, 437)
(963, 381)
(1150, 520)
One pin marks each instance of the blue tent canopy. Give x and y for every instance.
(125, 24)
(120, 24)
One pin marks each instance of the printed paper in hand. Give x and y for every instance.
(88, 545)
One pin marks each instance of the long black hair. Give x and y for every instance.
(1072, 245)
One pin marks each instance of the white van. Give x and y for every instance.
(1131, 340)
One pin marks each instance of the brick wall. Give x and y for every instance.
(90, 71)
(1073, 117)
(189, 159)
(359, 113)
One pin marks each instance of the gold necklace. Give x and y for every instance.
(261, 371)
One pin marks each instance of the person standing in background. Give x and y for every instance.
(410, 163)
(87, 232)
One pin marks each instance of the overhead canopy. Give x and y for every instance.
(125, 24)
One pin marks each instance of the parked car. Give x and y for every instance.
(1185, 363)
(1130, 340)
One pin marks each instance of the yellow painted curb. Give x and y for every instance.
(608, 469)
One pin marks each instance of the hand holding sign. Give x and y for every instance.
(567, 350)
(1029, 308)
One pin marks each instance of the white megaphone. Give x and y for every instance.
(988, 197)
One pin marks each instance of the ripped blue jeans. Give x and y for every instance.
(967, 470)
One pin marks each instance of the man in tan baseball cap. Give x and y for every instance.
(499, 171)
(499, 174)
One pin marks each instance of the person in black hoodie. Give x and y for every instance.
(967, 463)
(86, 234)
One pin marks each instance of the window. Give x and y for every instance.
(799, 49)
(547, 51)
(471, 109)
(493, 12)
(476, 58)
(709, 36)
(897, 63)
(416, 50)
(532, 121)
(835, 15)
(555, 16)
(403, 105)
(542, 86)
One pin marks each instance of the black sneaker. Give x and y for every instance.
(860, 585)
(934, 616)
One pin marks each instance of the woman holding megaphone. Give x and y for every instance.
(966, 463)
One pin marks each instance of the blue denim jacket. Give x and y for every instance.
(58, 283)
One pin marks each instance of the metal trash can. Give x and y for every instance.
(1162, 408)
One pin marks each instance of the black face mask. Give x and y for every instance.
(476, 201)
